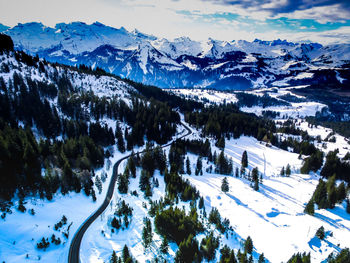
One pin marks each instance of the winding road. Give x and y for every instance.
(74, 249)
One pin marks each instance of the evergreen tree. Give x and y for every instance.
(224, 185)
(114, 258)
(320, 233)
(221, 143)
(320, 195)
(164, 246)
(227, 255)
(199, 166)
(282, 171)
(115, 223)
(144, 180)
(248, 245)
(147, 233)
(123, 183)
(188, 251)
(348, 206)
(342, 257)
(261, 258)
(332, 196)
(208, 246)
(255, 178)
(244, 161)
(288, 170)
(310, 207)
(131, 166)
(300, 258)
(126, 256)
(223, 165)
(237, 172)
(341, 192)
(188, 166)
(201, 203)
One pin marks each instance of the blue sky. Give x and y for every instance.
(324, 21)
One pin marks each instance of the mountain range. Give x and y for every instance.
(182, 62)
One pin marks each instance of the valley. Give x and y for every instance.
(101, 166)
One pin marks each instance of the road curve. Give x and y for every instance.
(74, 249)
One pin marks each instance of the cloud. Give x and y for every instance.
(320, 10)
(197, 19)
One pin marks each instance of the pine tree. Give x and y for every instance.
(123, 183)
(248, 245)
(288, 170)
(320, 233)
(244, 161)
(201, 203)
(188, 166)
(147, 233)
(115, 223)
(320, 195)
(237, 172)
(341, 192)
(208, 246)
(332, 196)
(126, 254)
(261, 258)
(114, 258)
(310, 207)
(282, 171)
(221, 143)
(164, 246)
(255, 177)
(131, 166)
(224, 185)
(199, 166)
(348, 206)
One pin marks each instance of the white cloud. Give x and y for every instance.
(163, 18)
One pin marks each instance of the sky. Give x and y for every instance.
(323, 21)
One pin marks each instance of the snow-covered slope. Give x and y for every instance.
(75, 37)
(273, 216)
(238, 64)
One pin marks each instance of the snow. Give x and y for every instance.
(204, 94)
(20, 232)
(339, 78)
(273, 216)
(296, 110)
(341, 142)
(97, 246)
(68, 42)
(191, 66)
(75, 37)
(304, 75)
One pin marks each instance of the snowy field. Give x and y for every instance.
(274, 216)
(22, 231)
(341, 143)
(295, 110)
(205, 95)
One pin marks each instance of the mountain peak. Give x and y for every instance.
(3, 28)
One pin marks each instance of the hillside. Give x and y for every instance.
(237, 187)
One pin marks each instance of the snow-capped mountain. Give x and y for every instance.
(182, 62)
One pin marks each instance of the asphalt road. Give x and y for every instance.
(74, 249)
